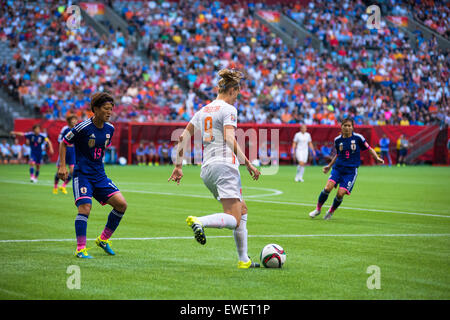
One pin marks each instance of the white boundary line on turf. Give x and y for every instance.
(252, 236)
(251, 199)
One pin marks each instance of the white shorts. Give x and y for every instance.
(222, 180)
(301, 155)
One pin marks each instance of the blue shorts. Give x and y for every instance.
(86, 187)
(36, 157)
(345, 177)
(403, 152)
(70, 157)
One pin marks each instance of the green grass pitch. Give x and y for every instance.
(397, 219)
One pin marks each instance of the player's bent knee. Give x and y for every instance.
(121, 206)
(85, 208)
(244, 209)
(341, 193)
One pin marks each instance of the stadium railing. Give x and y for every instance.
(128, 135)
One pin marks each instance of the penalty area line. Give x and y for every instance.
(392, 235)
(251, 199)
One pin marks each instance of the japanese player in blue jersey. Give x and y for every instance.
(90, 139)
(37, 141)
(70, 155)
(344, 167)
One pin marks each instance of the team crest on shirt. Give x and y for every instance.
(83, 190)
(108, 137)
(353, 145)
(91, 142)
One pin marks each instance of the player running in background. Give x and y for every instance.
(35, 139)
(70, 155)
(345, 166)
(302, 141)
(220, 169)
(90, 139)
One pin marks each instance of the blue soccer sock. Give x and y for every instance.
(80, 230)
(36, 174)
(67, 181)
(32, 172)
(322, 199)
(336, 203)
(114, 219)
(56, 181)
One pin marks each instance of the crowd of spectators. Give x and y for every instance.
(433, 14)
(14, 153)
(376, 76)
(396, 82)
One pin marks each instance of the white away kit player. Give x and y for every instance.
(217, 122)
(302, 141)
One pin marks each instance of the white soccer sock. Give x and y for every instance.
(240, 237)
(218, 220)
(302, 170)
(298, 171)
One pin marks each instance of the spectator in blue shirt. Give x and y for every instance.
(384, 147)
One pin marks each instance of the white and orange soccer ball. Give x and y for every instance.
(273, 256)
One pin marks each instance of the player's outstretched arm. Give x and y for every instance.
(184, 139)
(62, 170)
(328, 166)
(50, 146)
(311, 146)
(17, 133)
(375, 156)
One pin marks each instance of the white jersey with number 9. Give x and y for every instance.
(210, 120)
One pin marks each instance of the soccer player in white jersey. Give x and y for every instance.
(302, 140)
(220, 168)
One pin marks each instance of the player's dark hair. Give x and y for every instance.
(100, 98)
(229, 79)
(36, 126)
(70, 117)
(348, 120)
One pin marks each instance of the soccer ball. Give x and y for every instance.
(122, 161)
(273, 256)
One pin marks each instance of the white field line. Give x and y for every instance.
(392, 235)
(47, 183)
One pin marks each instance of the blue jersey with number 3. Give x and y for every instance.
(90, 143)
(349, 150)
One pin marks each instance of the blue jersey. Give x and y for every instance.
(349, 150)
(65, 130)
(90, 143)
(70, 153)
(37, 142)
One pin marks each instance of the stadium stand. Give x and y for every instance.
(375, 76)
